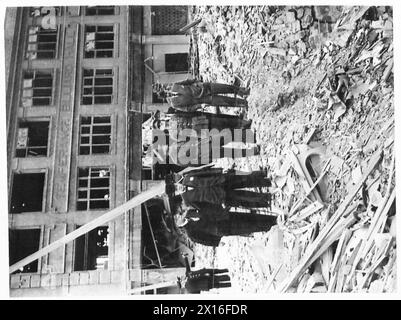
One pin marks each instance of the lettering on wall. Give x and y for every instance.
(65, 122)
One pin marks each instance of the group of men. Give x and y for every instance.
(188, 136)
(206, 199)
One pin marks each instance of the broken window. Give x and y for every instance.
(37, 88)
(95, 135)
(93, 188)
(32, 139)
(100, 10)
(91, 250)
(176, 62)
(27, 192)
(97, 86)
(99, 41)
(42, 43)
(22, 243)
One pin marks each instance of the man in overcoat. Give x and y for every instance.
(188, 95)
(213, 185)
(208, 223)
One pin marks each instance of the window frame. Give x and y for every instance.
(44, 191)
(39, 260)
(176, 54)
(26, 88)
(31, 120)
(115, 11)
(93, 86)
(114, 41)
(90, 134)
(86, 249)
(31, 34)
(88, 188)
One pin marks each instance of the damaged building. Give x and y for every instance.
(79, 82)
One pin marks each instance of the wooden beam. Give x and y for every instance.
(273, 277)
(379, 217)
(108, 216)
(153, 287)
(190, 25)
(306, 260)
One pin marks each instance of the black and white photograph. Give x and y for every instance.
(201, 149)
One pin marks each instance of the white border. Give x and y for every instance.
(4, 276)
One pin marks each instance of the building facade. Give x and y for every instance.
(78, 86)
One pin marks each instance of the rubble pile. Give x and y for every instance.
(321, 99)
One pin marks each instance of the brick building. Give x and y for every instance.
(78, 85)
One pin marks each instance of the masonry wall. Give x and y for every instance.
(60, 214)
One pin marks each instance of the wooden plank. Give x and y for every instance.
(309, 136)
(334, 235)
(375, 266)
(306, 260)
(273, 277)
(190, 25)
(306, 212)
(379, 217)
(152, 287)
(340, 250)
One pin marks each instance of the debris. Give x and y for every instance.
(300, 95)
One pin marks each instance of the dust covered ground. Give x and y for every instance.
(321, 79)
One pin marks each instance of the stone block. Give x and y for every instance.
(56, 280)
(290, 16)
(83, 278)
(15, 281)
(45, 280)
(104, 276)
(65, 280)
(300, 13)
(35, 281)
(306, 21)
(74, 278)
(296, 26)
(116, 276)
(25, 281)
(93, 277)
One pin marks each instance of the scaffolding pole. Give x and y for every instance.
(152, 287)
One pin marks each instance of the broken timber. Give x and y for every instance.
(312, 253)
(153, 287)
